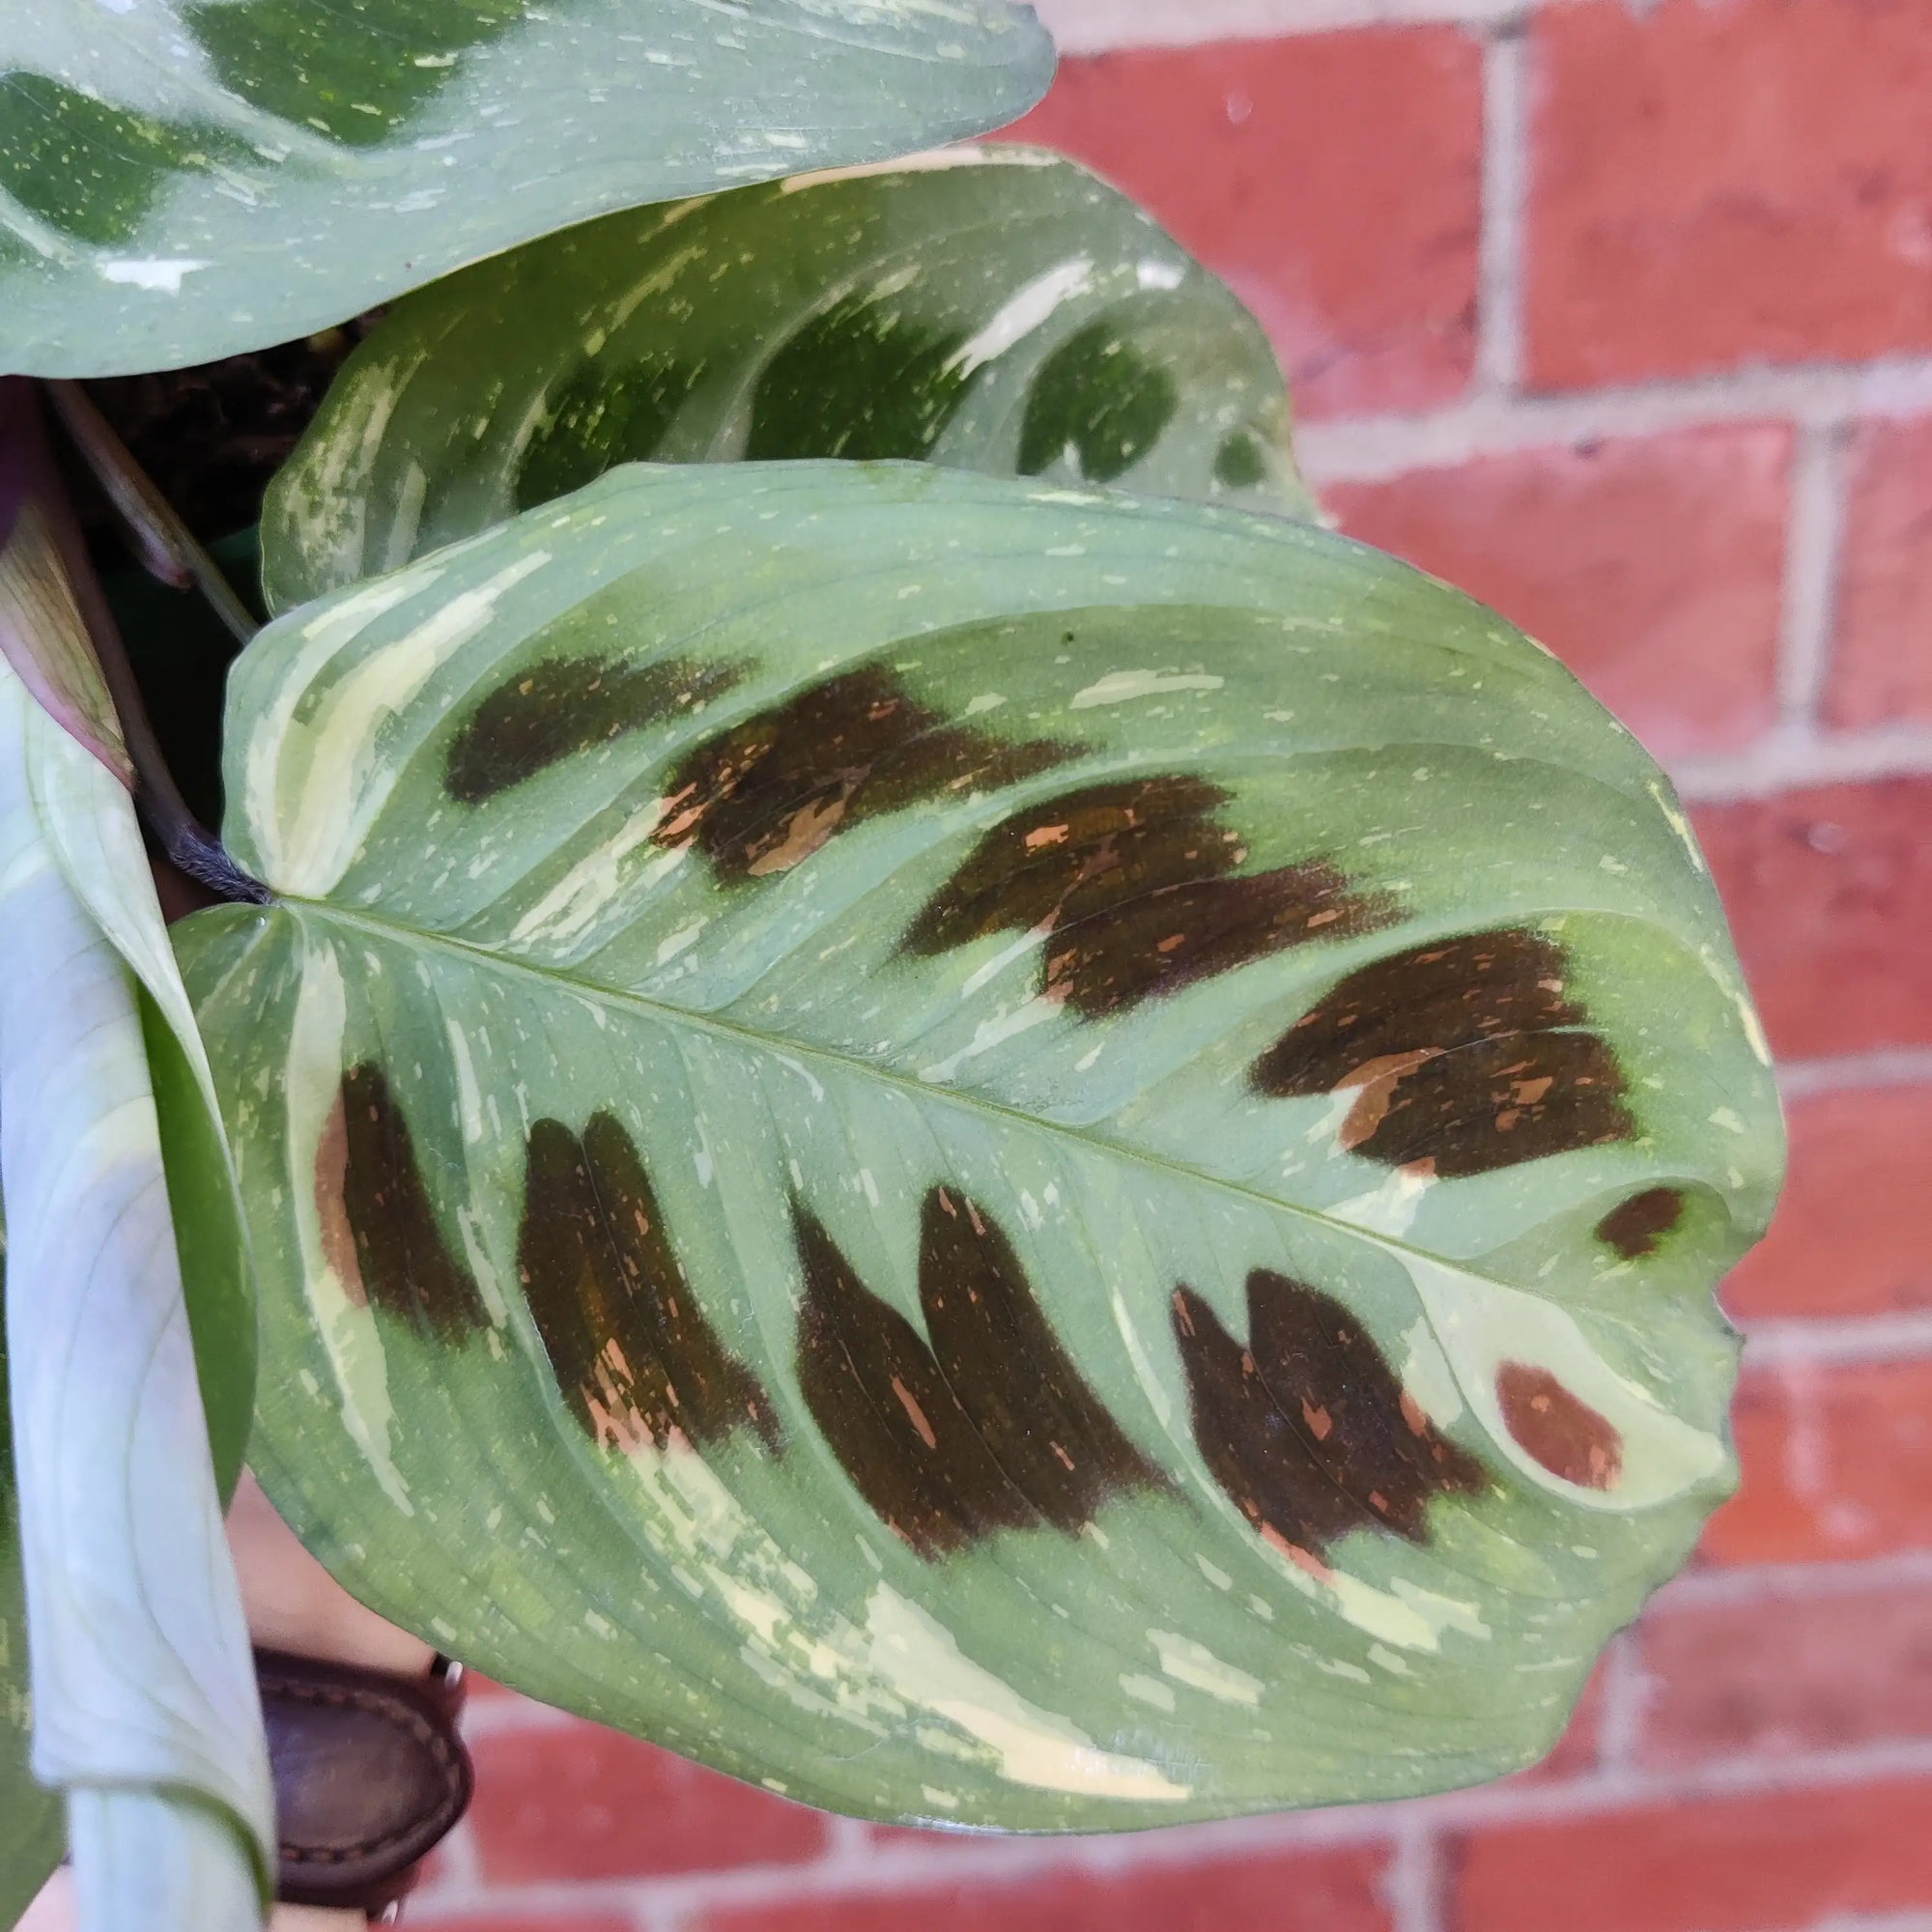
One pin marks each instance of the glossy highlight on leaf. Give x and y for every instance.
(1018, 1090)
(989, 308)
(216, 176)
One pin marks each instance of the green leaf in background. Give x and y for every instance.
(988, 1153)
(143, 1696)
(989, 308)
(187, 178)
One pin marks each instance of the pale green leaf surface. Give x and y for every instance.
(142, 1677)
(184, 180)
(560, 1042)
(30, 1814)
(989, 308)
(95, 840)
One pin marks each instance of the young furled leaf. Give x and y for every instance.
(990, 308)
(989, 1153)
(130, 1359)
(30, 1814)
(213, 176)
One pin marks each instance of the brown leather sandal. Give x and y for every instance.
(370, 1776)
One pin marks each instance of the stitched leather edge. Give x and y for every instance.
(420, 1709)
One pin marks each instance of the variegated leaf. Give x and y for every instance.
(183, 179)
(126, 1392)
(991, 308)
(989, 1153)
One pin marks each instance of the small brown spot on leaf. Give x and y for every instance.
(987, 1425)
(1307, 1428)
(1637, 1227)
(1562, 1432)
(1464, 1052)
(1137, 885)
(536, 719)
(764, 795)
(399, 1258)
(636, 1359)
(331, 1175)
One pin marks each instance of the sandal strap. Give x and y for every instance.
(370, 1773)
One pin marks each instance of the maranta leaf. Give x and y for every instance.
(211, 176)
(989, 307)
(987, 1152)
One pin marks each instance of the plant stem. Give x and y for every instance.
(30, 478)
(166, 546)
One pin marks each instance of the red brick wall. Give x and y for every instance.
(1621, 317)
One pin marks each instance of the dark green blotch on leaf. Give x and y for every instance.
(1099, 397)
(1470, 1053)
(633, 1353)
(1307, 1428)
(987, 1425)
(88, 168)
(861, 381)
(764, 795)
(370, 1189)
(1136, 885)
(354, 71)
(1238, 464)
(562, 706)
(600, 419)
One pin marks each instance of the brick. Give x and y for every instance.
(562, 1919)
(1814, 1672)
(1578, 1749)
(1838, 1464)
(1333, 179)
(1829, 893)
(1711, 184)
(1881, 651)
(1773, 1862)
(1853, 1235)
(1650, 565)
(481, 1690)
(1307, 1892)
(576, 1802)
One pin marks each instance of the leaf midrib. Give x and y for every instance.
(1402, 1252)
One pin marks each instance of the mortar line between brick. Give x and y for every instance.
(1814, 530)
(1505, 187)
(457, 1860)
(1903, 1570)
(1888, 1066)
(1369, 450)
(1874, 1921)
(997, 1862)
(1823, 1343)
(1793, 759)
(1625, 1688)
(1107, 26)
(1412, 1886)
